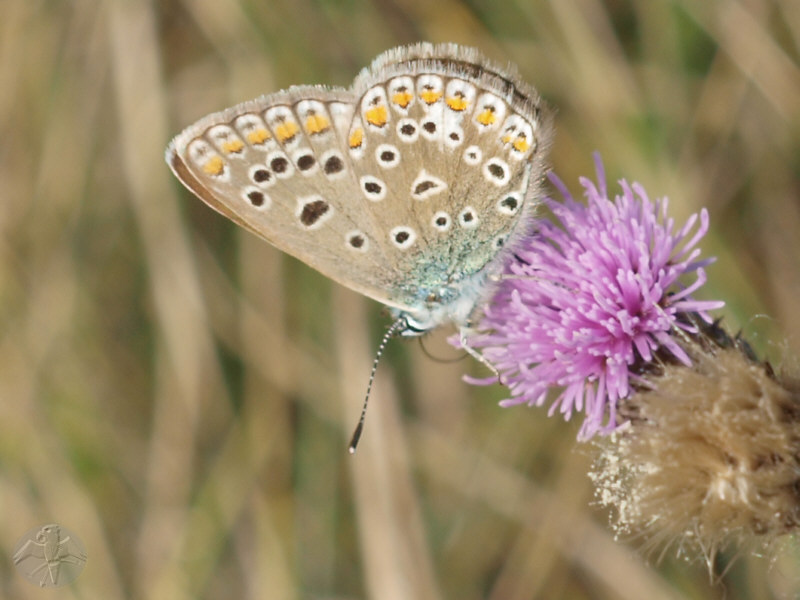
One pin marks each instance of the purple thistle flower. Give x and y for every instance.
(587, 299)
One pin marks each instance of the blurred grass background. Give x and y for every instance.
(181, 395)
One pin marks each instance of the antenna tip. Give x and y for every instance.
(356, 436)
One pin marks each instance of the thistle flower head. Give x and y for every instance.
(591, 297)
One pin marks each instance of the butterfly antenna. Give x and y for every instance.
(398, 325)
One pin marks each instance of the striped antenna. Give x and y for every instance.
(399, 325)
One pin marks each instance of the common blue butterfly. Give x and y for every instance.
(410, 187)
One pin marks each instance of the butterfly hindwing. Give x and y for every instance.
(449, 144)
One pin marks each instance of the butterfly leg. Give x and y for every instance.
(463, 335)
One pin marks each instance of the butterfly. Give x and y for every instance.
(411, 187)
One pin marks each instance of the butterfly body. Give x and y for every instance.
(411, 187)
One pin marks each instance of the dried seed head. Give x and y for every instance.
(711, 456)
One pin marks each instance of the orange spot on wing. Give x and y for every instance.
(259, 136)
(430, 96)
(286, 131)
(457, 103)
(487, 117)
(356, 138)
(232, 146)
(402, 99)
(214, 166)
(317, 124)
(376, 116)
(521, 144)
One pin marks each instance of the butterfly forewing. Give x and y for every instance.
(402, 188)
(279, 166)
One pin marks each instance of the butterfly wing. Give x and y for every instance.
(450, 149)
(402, 188)
(279, 167)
